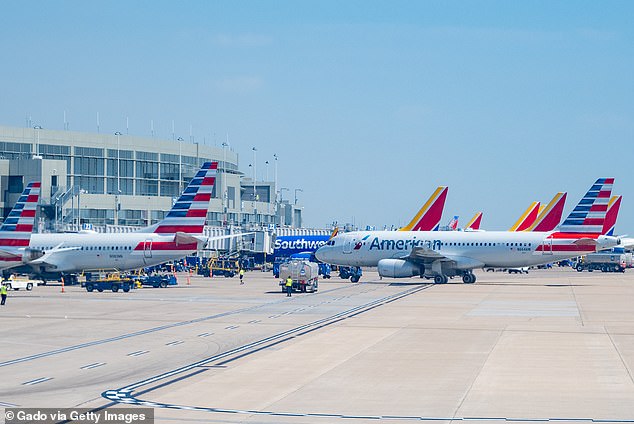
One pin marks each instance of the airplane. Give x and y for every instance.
(15, 232)
(444, 254)
(426, 219)
(176, 236)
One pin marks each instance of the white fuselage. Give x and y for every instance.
(77, 252)
(491, 248)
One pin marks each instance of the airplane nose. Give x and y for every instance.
(319, 254)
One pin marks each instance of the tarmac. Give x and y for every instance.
(548, 346)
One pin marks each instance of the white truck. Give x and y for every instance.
(305, 275)
(605, 262)
(17, 283)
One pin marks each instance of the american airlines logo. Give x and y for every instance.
(299, 244)
(403, 244)
(360, 243)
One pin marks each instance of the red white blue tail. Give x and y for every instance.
(428, 217)
(189, 213)
(589, 214)
(16, 230)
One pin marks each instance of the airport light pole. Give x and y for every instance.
(296, 190)
(118, 193)
(180, 165)
(37, 129)
(282, 193)
(224, 184)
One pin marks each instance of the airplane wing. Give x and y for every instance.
(53, 256)
(426, 256)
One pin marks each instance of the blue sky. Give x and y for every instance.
(369, 105)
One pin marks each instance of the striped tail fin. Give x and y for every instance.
(17, 227)
(189, 213)
(428, 217)
(550, 216)
(528, 217)
(589, 214)
(475, 222)
(611, 215)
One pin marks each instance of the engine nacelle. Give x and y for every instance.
(31, 255)
(397, 268)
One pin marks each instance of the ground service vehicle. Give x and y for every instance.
(108, 281)
(157, 280)
(354, 273)
(305, 275)
(17, 283)
(605, 262)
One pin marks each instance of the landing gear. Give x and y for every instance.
(440, 279)
(468, 278)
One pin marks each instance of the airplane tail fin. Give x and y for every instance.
(611, 215)
(334, 233)
(428, 217)
(453, 224)
(475, 222)
(17, 227)
(189, 213)
(589, 214)
(550, 216)
(527, 218)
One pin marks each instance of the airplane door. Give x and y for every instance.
(147, 248)
(547, 246)
(347, 245)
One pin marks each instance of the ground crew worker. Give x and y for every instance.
(289, 286)
(241, 275)
(3, 292)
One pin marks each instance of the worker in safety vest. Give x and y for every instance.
(3, 292)
(289, 286)
(241, 275)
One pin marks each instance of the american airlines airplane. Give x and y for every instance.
(16, 229)
(176, 236)
(444, 254)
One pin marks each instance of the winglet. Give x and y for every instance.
(589, 214)
(528, 217)
(189, 213)
(550, 216)
(428, 217)
(475, 222)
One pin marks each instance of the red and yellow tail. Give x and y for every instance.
(428, 217)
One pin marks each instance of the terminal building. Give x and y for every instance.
(119, 182)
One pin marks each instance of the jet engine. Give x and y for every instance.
(398, 268)
(31, 255)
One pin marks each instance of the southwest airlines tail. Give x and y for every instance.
(528, 217)
(550, 216)
(475, 222)
(190, 210)
(589, 215)
(428, 217)
(15, 232)
(610, 217)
